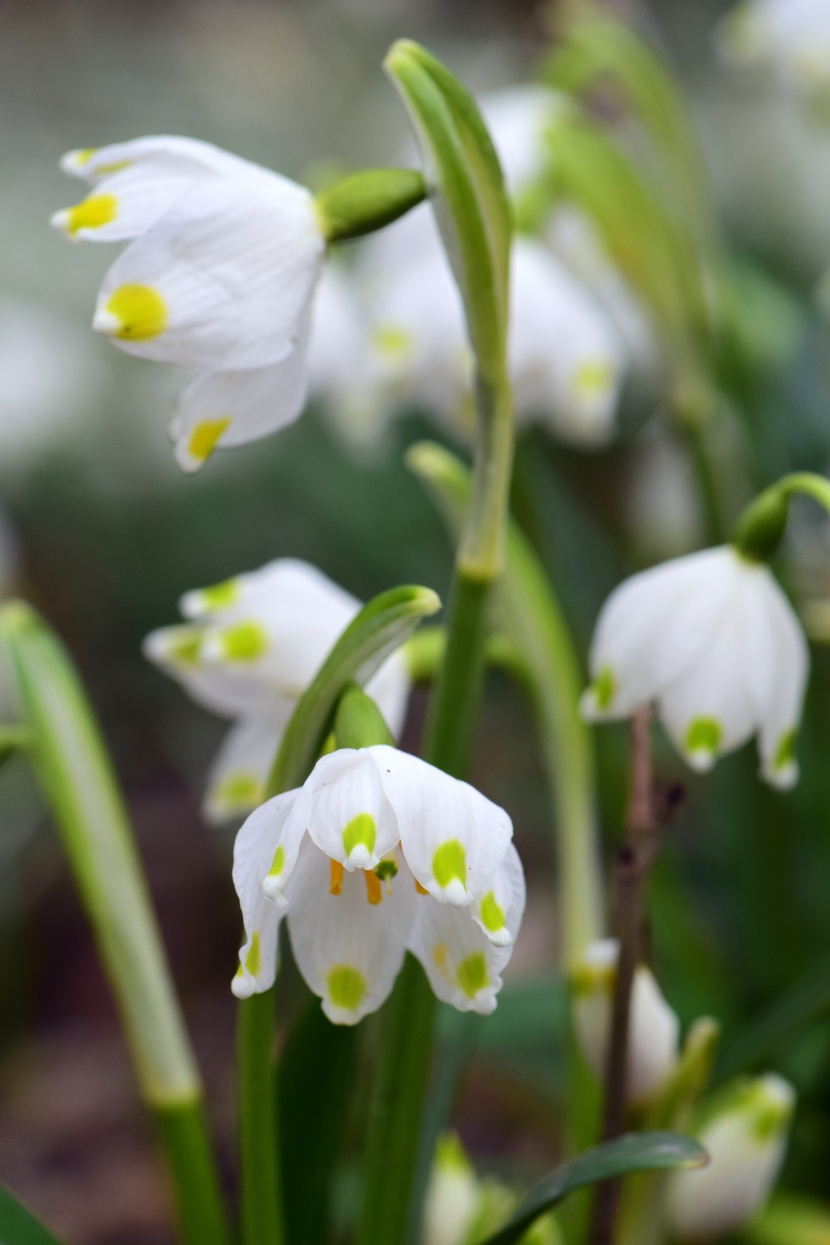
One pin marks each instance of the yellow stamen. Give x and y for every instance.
(374, 890)
(422, 890)
(336, 887)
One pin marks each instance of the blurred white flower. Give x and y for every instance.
(379, 852)
(518, 118)
(453, 1195)
(661, 501)
(714, 641)
(254, 644)
(219, 277)
(790, 37)
(653, 1029)
(745, 1140)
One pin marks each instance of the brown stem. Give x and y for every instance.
(634, 863)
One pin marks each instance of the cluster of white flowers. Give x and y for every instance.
(251, 647)
(225, 258)
(389, 332)
(379, 853)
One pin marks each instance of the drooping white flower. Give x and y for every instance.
(252, 646)
(367, 859)
(219, 277)
(653, 1030)
(565, 358)
(745, 1141)
(790, 37)
(713, 641)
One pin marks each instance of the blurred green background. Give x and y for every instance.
(104, 534)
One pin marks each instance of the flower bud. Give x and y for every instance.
(453, 1194)
(745, 1139)
(367, 201)
(653, 1029)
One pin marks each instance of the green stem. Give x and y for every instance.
(707, 487)
(261, 1209)
(761, 527)
(184, 1137)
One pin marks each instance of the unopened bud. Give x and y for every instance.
(653, 1030)
(745, 1140)
(453, 1194)
(366, 201)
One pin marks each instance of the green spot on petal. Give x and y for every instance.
(184, 645)
(605, 688)
(278, 863)
(360, 832)
(492, 916)
(253, 959)
(346, 987)
(450, 864)
(472, 974)
(392, 341)
(241, 790)
(785, 752)
(245, 641)
(704, 736)
(219, 596)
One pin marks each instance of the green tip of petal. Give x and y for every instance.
(346, 987)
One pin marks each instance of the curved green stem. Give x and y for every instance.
(185, 1138)
(260, 1202)
(761, 527)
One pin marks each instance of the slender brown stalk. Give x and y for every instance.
(645, 824)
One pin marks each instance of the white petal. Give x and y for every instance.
(498, 912)
(348, 950)
(222, 282)
(223, 409)
(229, 691)
(253, 856)
(237, 778)
(780, 710)
(517, 119)
(349, 815)
(654, 1028)
(463, 966)
(453, 838)
(94, 164)
(653, 627)
(128, 203)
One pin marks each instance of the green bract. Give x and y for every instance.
(368, 200)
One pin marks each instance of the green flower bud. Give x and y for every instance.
(366, 201)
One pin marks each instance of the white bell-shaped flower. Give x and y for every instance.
(745, 1141)
(790, 37)
(367, 859)
(712, 639)
(219, 277)
(253, 645)
(653, 1028)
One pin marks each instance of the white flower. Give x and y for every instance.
(453, 1195)
(344, 858)
(791, 37)
(518, 118)
(219, 277)
(565, 358)
(653, 1029)
(712, 639)
(745, 1141)
(254, 644)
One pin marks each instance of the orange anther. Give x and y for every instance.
(422, 890)
(336, 887)
(374, 890)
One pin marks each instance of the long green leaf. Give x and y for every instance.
(18, 1226)
(635, 1152)
(379, 629)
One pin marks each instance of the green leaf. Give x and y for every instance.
(316, 1076)
(465, 180)
(781, 1023)
(381, 627)
(635, 1152)
(18, 1226)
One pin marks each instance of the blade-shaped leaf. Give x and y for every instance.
(18, 1226)
(379, 628)
(635, 1152)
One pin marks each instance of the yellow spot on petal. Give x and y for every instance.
(95, 211)
(240, 790)
(360, 832)
(392, 341)
(592, 379)
(440, 954)
(374, 890)
(278, 863)
(204, 437)
(492, 916)
(346, 987)
(253, 959)
(244, 641)
(449, 864)
(84, 155)
(219, 596)
(336, 873)
(140, 311)
(104, 170)
(184, 644)
(472, 974)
